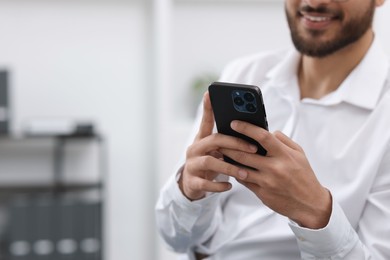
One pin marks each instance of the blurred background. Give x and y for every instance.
(97, 99)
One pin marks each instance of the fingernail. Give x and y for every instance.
(233, 124)
(253, 147)
(229, 186)
(242, 174)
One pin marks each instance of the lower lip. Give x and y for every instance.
(316, 25)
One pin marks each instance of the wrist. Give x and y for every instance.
(318, 216)
(189, 195)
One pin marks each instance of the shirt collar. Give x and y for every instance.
(362, 87)
(282, 74)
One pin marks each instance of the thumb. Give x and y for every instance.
(207, 123)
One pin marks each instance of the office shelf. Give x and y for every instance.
(52, 197)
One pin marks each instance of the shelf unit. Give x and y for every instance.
(67, 209)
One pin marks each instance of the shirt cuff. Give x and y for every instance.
(188, 212)
(335, 240)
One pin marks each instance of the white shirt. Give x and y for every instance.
(346, 137)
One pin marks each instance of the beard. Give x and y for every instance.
(351, 31)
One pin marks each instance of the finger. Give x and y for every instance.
(210, 175)
(209, 163)
(252, 160)
(262, 136)
(217, 141)
(207, 123)
(210, 186)
(287, 141)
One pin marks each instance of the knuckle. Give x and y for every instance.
(272, 184)
(269, 183)
(189, 151)
(214, 137)
(278, 133)
(201, 185)
(188, 168)
(229, 169)
(205, 162)
(240, 143)
(263, 137)
(193, 186)
(277, 168)
(242, 157)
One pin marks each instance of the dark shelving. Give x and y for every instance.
(56, 218)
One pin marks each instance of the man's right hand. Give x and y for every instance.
(204, 161)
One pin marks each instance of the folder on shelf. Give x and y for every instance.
(67, 246)
(91, 242)
(42, 222)
(19, 239)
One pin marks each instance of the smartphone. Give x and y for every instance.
(242, 102)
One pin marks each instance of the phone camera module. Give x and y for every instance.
(244, 101)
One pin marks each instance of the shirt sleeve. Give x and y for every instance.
(334, 241)
(339, 240)
(186, 224)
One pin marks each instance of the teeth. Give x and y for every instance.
(317, 19)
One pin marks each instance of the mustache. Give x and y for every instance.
(320, 10)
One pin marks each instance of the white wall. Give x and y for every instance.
(86, 59)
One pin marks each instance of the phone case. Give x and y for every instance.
(237, 102)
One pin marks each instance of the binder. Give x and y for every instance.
(79, 225)
(91, 242)
(55, 227)
(19, 232)
(43, 244)
(66, 244)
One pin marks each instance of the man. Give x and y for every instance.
(323, 189)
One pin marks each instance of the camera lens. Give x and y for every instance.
(250, 107)
(238, 101)
(249, 97)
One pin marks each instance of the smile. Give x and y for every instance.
(317, 18)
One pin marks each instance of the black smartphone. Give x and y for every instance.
(242, 102)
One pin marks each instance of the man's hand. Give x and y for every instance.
(284, 180)
(204, 161)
